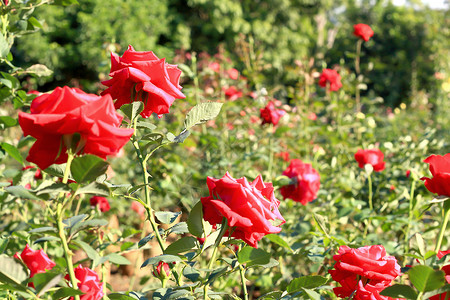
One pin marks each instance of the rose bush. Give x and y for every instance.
(56, 117)
(440, 169)
(363, 272)
(306, 182)
(372, 157)
(250, 208)
(363, 31)
(142, 76)
(332, 78)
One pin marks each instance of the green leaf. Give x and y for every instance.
(444, 289)
(167, 217)
(275, 238)
(178, 228)
(252, 256)
(87, 168)
(88, 224)
(400, 291)
(4, 46)
(56, 187)
(191, 273)
(321, 222)
(46, 239)
(216, 274)
(21, 192)
(72, 221)
(306, 282)
(195, 220)
(12, 151)
(182, 245)
(426, 279)
(65, 292)
(45, 281)
(146, 239)
(56, 170)
(133, 109)
(420, 244)
(182, 136)
(145, 125)
(12, 271)
(43, 229)
(35, 22)
(201, 113)
(117, 259)
(167, 258)
(90, 252)
(8, 121)
(313, 295)
(95, 188)
(39, 70)
(271, 295)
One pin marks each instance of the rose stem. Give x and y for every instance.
(408, 228)
(60, 225)
(243, 279)
(357, 69)
(446, 207)
(223, 229)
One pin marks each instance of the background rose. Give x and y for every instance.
(248, 207)
(142, 76)
(332, 77)
(440, 169)
(355, 268)
(88, 283)
(307, 182)
(102, 203)
(36, 260)
(372, 157)
(363, 31)
(67, 111)
(271, 115)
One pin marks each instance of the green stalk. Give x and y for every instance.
(243, 279)
(446, 208)
(357, 69)
(369, 178)
(62, 235)
(269, 169)
(410, 215)
(223, 229)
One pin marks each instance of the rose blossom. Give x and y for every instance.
(249, 208)
(88, 283)
(56, 117)
(306, 182)
(233, 73)
(232, 93)
(142, 76)
(138, 208)
(102, 203)
(271, 115)
(283, 155)
(440, 169)
(36, 260)
(363, 272)
(332, 78)
(372, 157)
(363, 31)
(162, 270)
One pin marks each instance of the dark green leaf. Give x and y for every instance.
(65, 292)
(146, 239)
(117, 296)
(56, 170)
(167, 258)
(46, 239)
(195, 220)
(8, 121)
(42, 229)
(179, 228)
(87, 168)
(444, 289)
(94, 188)
(87, 224)
(191, 273)
(133, 109)
(275, 238)
(54, 188)
(305, 282)
(182, 136)
(72, 221)
(216, 274)
(182, 245)
(45, 281)
(12, 271)
(400, 291)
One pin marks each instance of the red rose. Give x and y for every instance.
(372, 157)
(162, 270)
(36, 260)
(248, 207)
(446, 270)
(440, 169)
(102, 203)
(233, 73)
(363, 31)
(232, 93)
(88, 283)
(283, 155)
(408, 173)
(271, 115)
(142, 76)
(307, 182)
(363, 272)
(67, 111)
(332, 78)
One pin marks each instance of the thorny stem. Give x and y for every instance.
(243, 279)
(411, 208)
